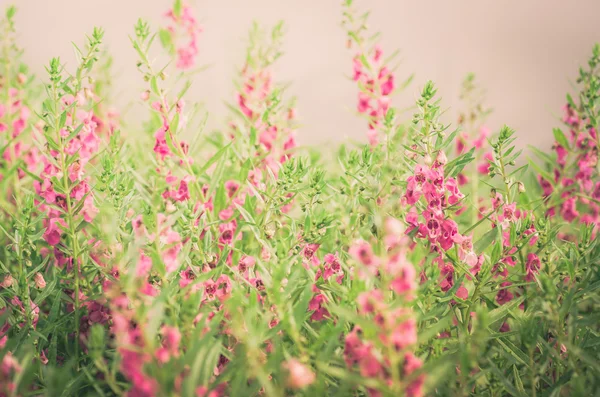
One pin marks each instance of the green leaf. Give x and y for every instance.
(507, 383)
(549, 178)
(63, 119)
(213, 159)
(486, 240)
(501, 312)
(518, 381)
(455, 166)
(154, 85)
(220, 198)
(177, 8)
(166, 40)
(560, 138)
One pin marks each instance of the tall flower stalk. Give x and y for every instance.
(70, 143)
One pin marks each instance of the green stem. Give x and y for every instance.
(70, 219)
(532, 373)
(504, 177)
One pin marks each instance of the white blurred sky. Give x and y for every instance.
(524, 52)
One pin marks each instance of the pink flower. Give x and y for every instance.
(171, 339)
(144, 265)
(455, 194)
(448, 233)
(480, 142)
(404, 334)
(245, 263)
(411, 364)
(532, 266)
(370, 367)
(45, 190)
(363, 102)
(186, 277)
(7, 282)
(231, 187)
(484, 167)
(569, 209)
(299, 375)
(509, 212)
(186, 27)
(309, 251)
(504, 295)
(170, 255)
(9, 366)
(53, 231)
(370, 302)
(227, 231)
(547, 186)
(182, 193)
(561, 154)
(332, 266)
(363, 253)
(89, 209)
(440, 160)
(39, 281)
(462, 292)
(316, 305)
(404, 282)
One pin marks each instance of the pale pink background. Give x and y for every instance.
(525, 52)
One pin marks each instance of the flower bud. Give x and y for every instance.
(7, 282)
(170, 207)
(299, 375)
(39, 281)
(265, 254)
(180, 105)
(441, 158)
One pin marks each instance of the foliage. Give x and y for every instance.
(157, 259)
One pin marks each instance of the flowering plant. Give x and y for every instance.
(154, 259)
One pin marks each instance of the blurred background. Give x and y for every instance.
(524, 53)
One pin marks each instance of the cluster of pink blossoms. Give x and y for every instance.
(396, 266)
(508, 216)
(439, 193)
(376, 83)
(10, 369)
(177, 188)
(429, 189)
(396, 326)
(133, 348)
(185, 30)
(277, 139)
(575, 173)
(14, 114)
(138, 352)
(161, 148)
(504, 214)
(14, 119)
(84, 146)
(19, 310)
(330, 268)
(464, 143)
(170, 245)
